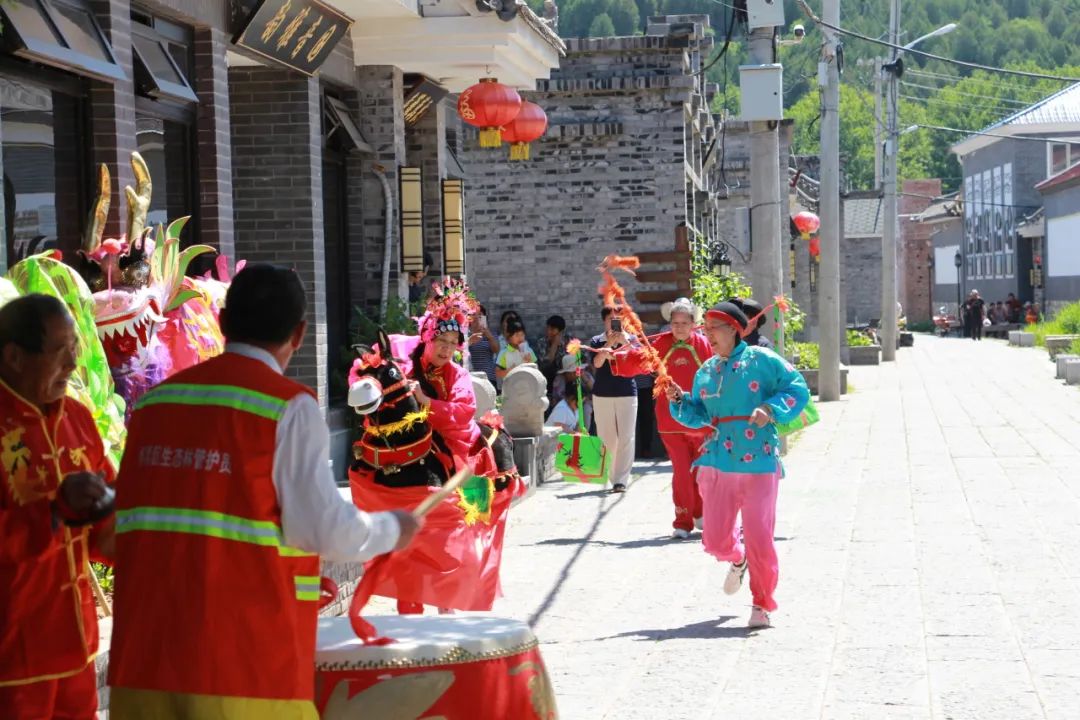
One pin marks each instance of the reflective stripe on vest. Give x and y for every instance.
(228, 396)
(307, 587)
(207, 523)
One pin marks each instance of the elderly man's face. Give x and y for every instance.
(41, 378)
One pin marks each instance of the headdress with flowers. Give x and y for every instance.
(450, 309)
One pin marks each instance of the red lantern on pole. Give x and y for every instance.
(529, 125)
(489, 106)
(807, 223)
(815, 247)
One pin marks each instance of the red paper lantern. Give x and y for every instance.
(807, 223)
(529, 125)
(489, 105)
(815, 247)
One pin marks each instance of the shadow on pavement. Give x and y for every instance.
(587, 493)
(626, 545)
(604, 508)
(706, 630)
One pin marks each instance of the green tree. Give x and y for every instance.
(601, 26)
(624, 16)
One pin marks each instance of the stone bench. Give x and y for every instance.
(1056, 344)
(864, 355)
(812, 380)
(1072, 372)
(1021, 338)
(1062, 360)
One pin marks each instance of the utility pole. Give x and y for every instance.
(829, 211)
(878, 128)
(888, 235)
(766, 204)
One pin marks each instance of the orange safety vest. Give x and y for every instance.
(48, 624)
(208, 598)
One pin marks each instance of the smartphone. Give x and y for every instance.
(616, 325)
(483, 321)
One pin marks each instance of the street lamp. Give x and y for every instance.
(958, 261)
(720, 263)
(893, 70)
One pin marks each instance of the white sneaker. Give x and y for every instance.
(734, 578)
(680, 534)
(699, 523)
(759, 618)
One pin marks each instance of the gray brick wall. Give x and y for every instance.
(378, 109)
(112, 112)
(213, 138)
(277, 188)
(607, 177)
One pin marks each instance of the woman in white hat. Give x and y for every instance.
(567, 376)
(683, 350)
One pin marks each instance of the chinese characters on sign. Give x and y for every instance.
(201, 459)
(298, 33)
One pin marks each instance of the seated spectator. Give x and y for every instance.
(1013, 308)
(1031, 313)
(567, 379)
(517, 350)
(483, 345)
(1002, 312)
(991, 313)
(552, 349)
(507, 316)
(417, 289)
(565, 415)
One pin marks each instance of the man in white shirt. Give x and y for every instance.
(226, 487)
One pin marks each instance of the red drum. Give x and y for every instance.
(451, 667)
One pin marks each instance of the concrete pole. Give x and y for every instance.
(766, 205)
(878, 128)
(888, 235)
(829, 212)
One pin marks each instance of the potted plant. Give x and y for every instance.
(861, 349)
(806, 357)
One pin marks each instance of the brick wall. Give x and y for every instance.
(211, 84)
(112, 112)
(377, 106)
(278, 192)
(607, 177)
(914, 274)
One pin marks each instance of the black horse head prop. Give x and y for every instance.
(397, 443)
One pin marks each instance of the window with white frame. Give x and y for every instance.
(1061, 156)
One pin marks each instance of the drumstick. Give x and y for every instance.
(448, 488)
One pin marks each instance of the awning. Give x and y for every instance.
(61, 34)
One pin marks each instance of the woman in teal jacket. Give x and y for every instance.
(741, 393)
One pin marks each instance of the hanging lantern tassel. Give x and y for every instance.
(489, 106)
(529, 125)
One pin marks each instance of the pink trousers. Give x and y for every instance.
(723, 496)
(683, 448)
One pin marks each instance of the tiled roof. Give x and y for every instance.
(863, 217)
(1061, 107)
(941, 208)
(1065, 177)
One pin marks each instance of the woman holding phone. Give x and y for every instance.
(614, 401)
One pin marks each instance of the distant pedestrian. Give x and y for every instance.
(974, 314)
(740, 394)
(483, 347)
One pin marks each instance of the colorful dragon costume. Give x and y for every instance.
(145, 321)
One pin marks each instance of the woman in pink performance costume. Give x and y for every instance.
(741, 393)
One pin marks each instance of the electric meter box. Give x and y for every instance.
(762, 92)
(764, 13)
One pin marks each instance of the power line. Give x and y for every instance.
(993, 99)
(1048, 140)
(942, 58)
(986, 106)
(989, 81)
(981, 203)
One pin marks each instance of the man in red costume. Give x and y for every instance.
(53, 498)
(683, 350)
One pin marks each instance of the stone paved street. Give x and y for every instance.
(929, 549)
